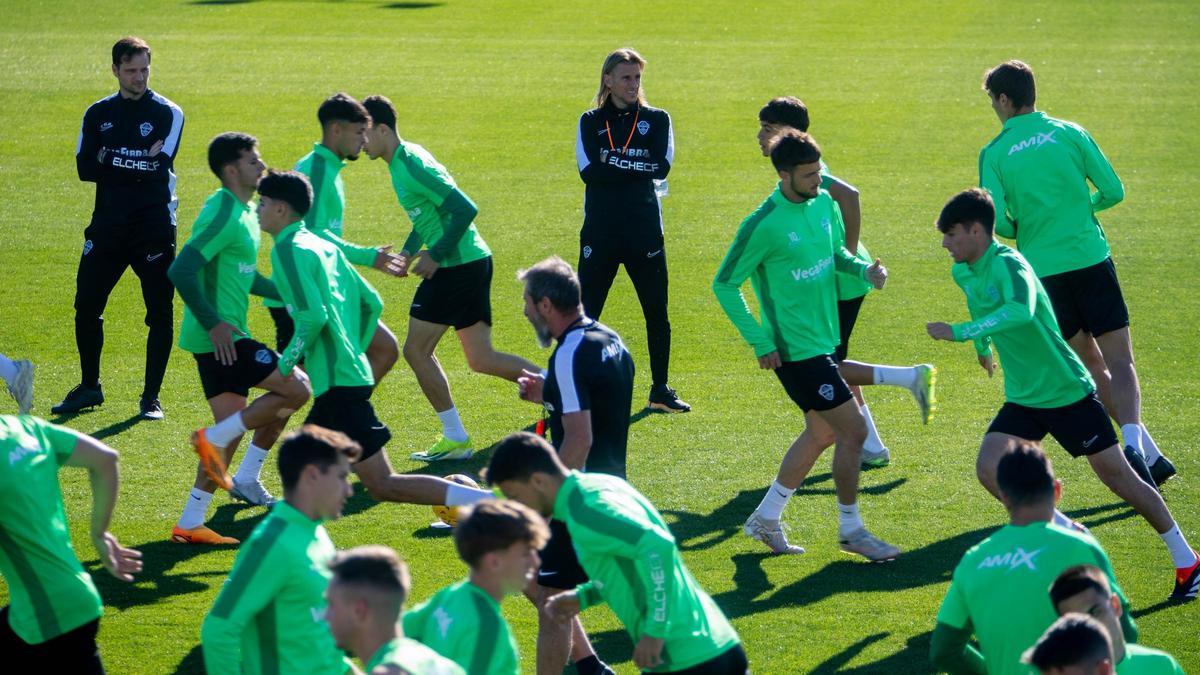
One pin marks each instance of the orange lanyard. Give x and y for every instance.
(636, 112)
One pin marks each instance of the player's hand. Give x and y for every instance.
(648, 652)
(388, 262)
(425, 265)
(403, 259)
(989, 363)
(156, 148)
(940, 331)
(770, 361)
(877, 274)
(222, 340)
(562, 607)
(120, 562)
(529, 386)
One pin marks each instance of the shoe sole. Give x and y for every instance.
(664, 408)
(441, 456)
(214, 468)
(181, 539)
(59, 410)
(237, 495)
(868, 558)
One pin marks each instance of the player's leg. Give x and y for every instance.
(419, 346)
(995, 445)
(100, 267)
(482, 357)
(1085, 347)
(875, 453)
(559, 641)
(764, 524)
(920, 380)
(150, 262)
(18, 377)
(473, 323)
(190, 528)
(598, 263)
(75, 651)
(385, 485)
(382, 352)
(647, 267)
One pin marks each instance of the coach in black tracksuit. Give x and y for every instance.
(127, 147)
(623, 147)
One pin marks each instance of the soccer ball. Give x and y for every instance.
(449, 514)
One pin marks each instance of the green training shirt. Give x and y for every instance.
(413, 657)
(334, 308)
(435, 206)
(1038, 170)
(788, 252)
(1009, 307)
(1001, 589)
(1141, 660)
(226, 236)
(849, 286)
(49, 591)
(463, 623)
(270, 615)
(629, 554)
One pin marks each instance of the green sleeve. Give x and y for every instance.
(185, 274)
(58, 439)
(462, 211)
(297, 284)
(413, 243)
(983, 346)
(253, 583)
(413, 621)
(950, 651)
(264, 287)
(359, 255)
(1017, 286)
(740, 262)
(371, 306)
(989, 180)
(1109, 190)
(652, 557)
(589, 595)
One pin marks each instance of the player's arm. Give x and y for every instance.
(370, 308)
(577, 438)
(1018, 287)
(846, 197)
(597, 163)
(662, 148)
(87, 150)
(355, 253)
(741, 260)
(573, 368)
(843, 258)
(1109, 189)
(455, 209)
(184, 273)
(412, 244)
(264, 287)
(950, 651)
(155, 162)
(989, 179)
(297, 278)
(253, 584)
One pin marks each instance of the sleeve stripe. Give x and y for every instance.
(425, 176)
(247, 567)
(287, 260)
(214, 227)
(628, 532)
(564, 371)
(581, 157)
(171, 144)
(316, 177)
(745, 232)
(670, 140)
(486, 640)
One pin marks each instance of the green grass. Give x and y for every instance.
(494, 89)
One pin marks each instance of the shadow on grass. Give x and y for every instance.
(411, 5)
(192, 664)
(1116, 511)
(612, 646)
(914, 658)
(99, 434)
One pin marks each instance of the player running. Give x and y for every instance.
(366, 598)
(344, 124)
(789, 112)
(216, 273)
(54, 610)
(1046, 388)
(787, 248)
(998, 591)
(499, 541)
(456, 276)
(270, 615)
(1037, 171)
(18, 378)
(630, 556)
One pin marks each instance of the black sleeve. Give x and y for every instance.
(597, 165)
(662, 147)
(86, 149)
(168, 128)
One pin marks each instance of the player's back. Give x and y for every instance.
(464, 624)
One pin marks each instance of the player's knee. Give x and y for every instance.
(414, 354)
(827, 438)
(480, 360)
(376, 486)
(386, 351)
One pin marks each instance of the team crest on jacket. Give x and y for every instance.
(146, 128)
(643, 127)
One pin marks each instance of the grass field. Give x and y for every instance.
(494, 89)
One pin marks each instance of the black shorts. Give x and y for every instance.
(560, 567)
(1088, 299)
(255, 362)
(459, 296)
(732, 661)
(847, 317)
(349, 410)
(815, 383)
(285, 327)
(72, 652)
(1082, 428)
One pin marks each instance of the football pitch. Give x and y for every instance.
(494, 88)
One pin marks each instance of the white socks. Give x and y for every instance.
(452, 427)
(251, 466)
(1132, 434)
(461, 495)
(896, 376)
(222, 433)
(1181, 553)
(774, 501)
(1149, 447)
(873, 444)
(8, 369)
(196, 508)
(849, 519)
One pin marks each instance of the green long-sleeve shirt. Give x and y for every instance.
(441, 214)
(464, 624)
(629, 554)
(412, 657)
(1037, 171)
(789, 252)
(270, 615)
(1010, 308)
(335, 310)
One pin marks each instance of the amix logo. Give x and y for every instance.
(19, 453)
(1012, 560)
(1034, 142)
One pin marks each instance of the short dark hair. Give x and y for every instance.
(1077, 579)
(311, 444)
(792, 148)
(1014, 79)
(1025, 477)
(377, 570)
(787, 111)
(1075, 639)
(973, 205)
(494, 525)
(518, 456)
(128, 47)
(291, 187)
(227, 148)
(381, 110)
(341, 107)
(554, 279)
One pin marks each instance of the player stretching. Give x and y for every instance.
(1037, 171)
(1046, 388)
(789, 112)
(344, 124)
(788, 250)
(499, 541)
(456, 276)
(215, 274)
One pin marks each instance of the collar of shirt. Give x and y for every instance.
(570, 485)
(614, 112)
(1019, 120)
(780, 200)
(985, 258)
(289, 230)
(293, 516)
(236, 200)
(328, 155)
(581, 322)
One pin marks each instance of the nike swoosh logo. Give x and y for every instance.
(1088, 443)
(653, 253)
(379, 428)
(152, 258)
(545, 574)
(195, 497)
